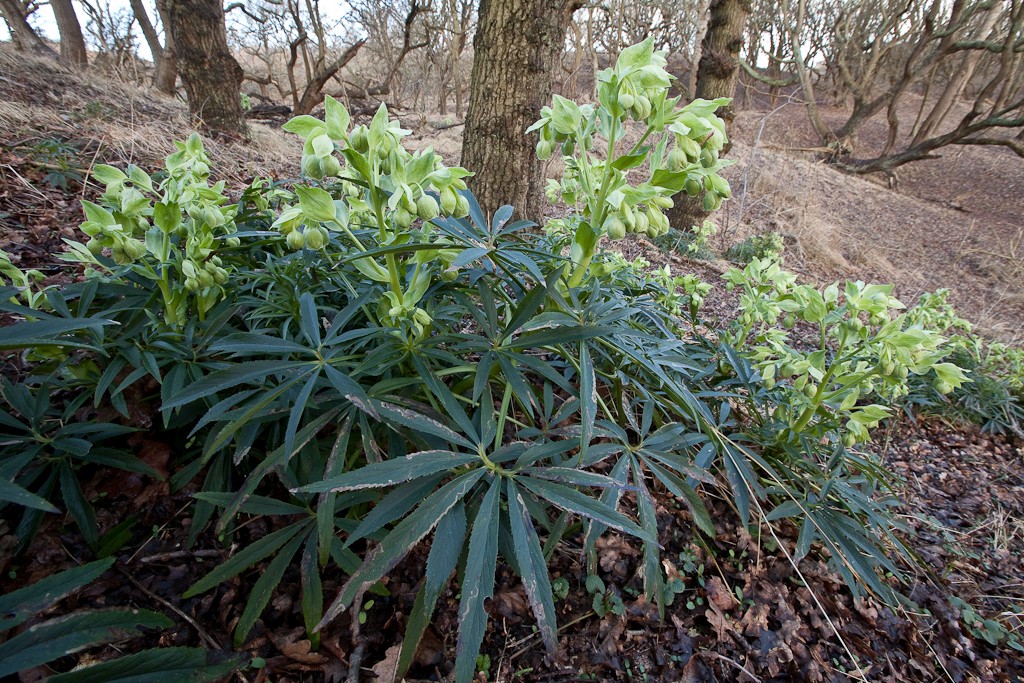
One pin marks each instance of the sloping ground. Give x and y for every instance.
(954, 222)
(743, 613)
(55, 124)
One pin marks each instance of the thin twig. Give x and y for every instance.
(734, 663)
(357, 639)
(191, 622)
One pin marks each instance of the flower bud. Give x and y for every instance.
(676, 159)
(315, 237)
(642, 223)
(544, 150)
(462, 208)
(330, 166)
(449, 200)
(614, 228)
(311, 166)
(708, 158)
(450, 274)
(692, 187)
(403, 219)
(626, 101)
(295, 240)
(94, 246)
(427, 208)
(134, 249)
(721, 186)
(359, 140)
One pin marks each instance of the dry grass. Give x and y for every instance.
(117, 122)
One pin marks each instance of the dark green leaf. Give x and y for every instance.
(449, 539)
(478, 583)
(245, 558)
(533, 568)
(263, 590)
(392, 472)
(177, 664)
(574, 501)
(65, 635)
(24, 603)
(401, 540)
(12, 493)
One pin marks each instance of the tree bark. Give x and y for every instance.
(212, 77)
(516, 47)
(72, 42)
(22, 33)
(717, 73)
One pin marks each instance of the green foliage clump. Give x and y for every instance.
(993, 397)
(767, 246)
(809, 407)
(692, 243)
(375, 364)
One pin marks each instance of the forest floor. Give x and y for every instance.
(743, 613)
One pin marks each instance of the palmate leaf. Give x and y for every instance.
(263, 590)
(653, 583)
(394, 505)
(54, 331)
(12, 493)
(178, 664)
(419, 422)
(402, 539)
(66, 635)
(247, 557)
(243, 373)
(478, 583)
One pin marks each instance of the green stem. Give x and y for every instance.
(378, 209)
(805, 417)
(598, 216)
(641, 141)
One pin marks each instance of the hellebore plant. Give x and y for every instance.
(385, 188)
(679, 146)
(170, 233)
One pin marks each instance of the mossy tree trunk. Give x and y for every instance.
(717, 74)
(516, 48)
(212, 77)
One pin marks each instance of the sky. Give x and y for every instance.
(45, 24)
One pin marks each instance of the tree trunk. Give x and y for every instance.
(165, 65)
(516, 47)
(212, 77)
(23, 35)
(72, 42)
(717, 74)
